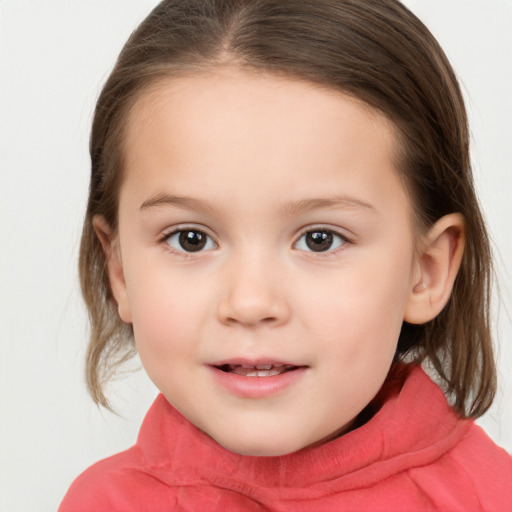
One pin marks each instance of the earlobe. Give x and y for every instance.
(436, 268)
(110, 244)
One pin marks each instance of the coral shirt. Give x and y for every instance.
(413, 455)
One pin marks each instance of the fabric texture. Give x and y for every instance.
(414, 454)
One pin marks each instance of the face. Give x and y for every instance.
(266, 255)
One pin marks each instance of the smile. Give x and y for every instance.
(257, 380)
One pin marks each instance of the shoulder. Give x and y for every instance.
(475, 469)
(449, 463)
(117, 483)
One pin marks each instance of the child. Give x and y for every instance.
(282, 222)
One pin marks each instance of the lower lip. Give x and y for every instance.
(257, 387)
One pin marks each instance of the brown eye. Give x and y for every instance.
(320, 240)
(190, 240)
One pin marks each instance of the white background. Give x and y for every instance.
(54, 57)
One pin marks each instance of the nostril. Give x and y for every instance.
(252, 320)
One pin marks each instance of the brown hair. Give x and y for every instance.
(375, 50)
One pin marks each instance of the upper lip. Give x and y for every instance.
(254, 362)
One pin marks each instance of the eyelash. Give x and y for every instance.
(343, 240)
(319, 229)
(181, 230)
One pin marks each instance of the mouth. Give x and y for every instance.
(257, 370)
(257, 379)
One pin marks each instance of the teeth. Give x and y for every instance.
(261, 373)
(258, 366)
(260, 370)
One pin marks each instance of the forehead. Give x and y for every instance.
(196, 131)
(241, 95)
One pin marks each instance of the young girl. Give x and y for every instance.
(282, 222)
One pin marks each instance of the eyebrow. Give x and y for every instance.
(288, 208)
(191, 203)
(307, 205)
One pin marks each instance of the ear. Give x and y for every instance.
(436, 268)
(110, 244)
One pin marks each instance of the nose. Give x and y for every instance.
(253, 293)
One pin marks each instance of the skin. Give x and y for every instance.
(249, 161)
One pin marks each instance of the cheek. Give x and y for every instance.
(363, 307)
(166, 311)
(358, 324)
(167, 335)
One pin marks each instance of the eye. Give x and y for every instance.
(190, 240)
(320, 240)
